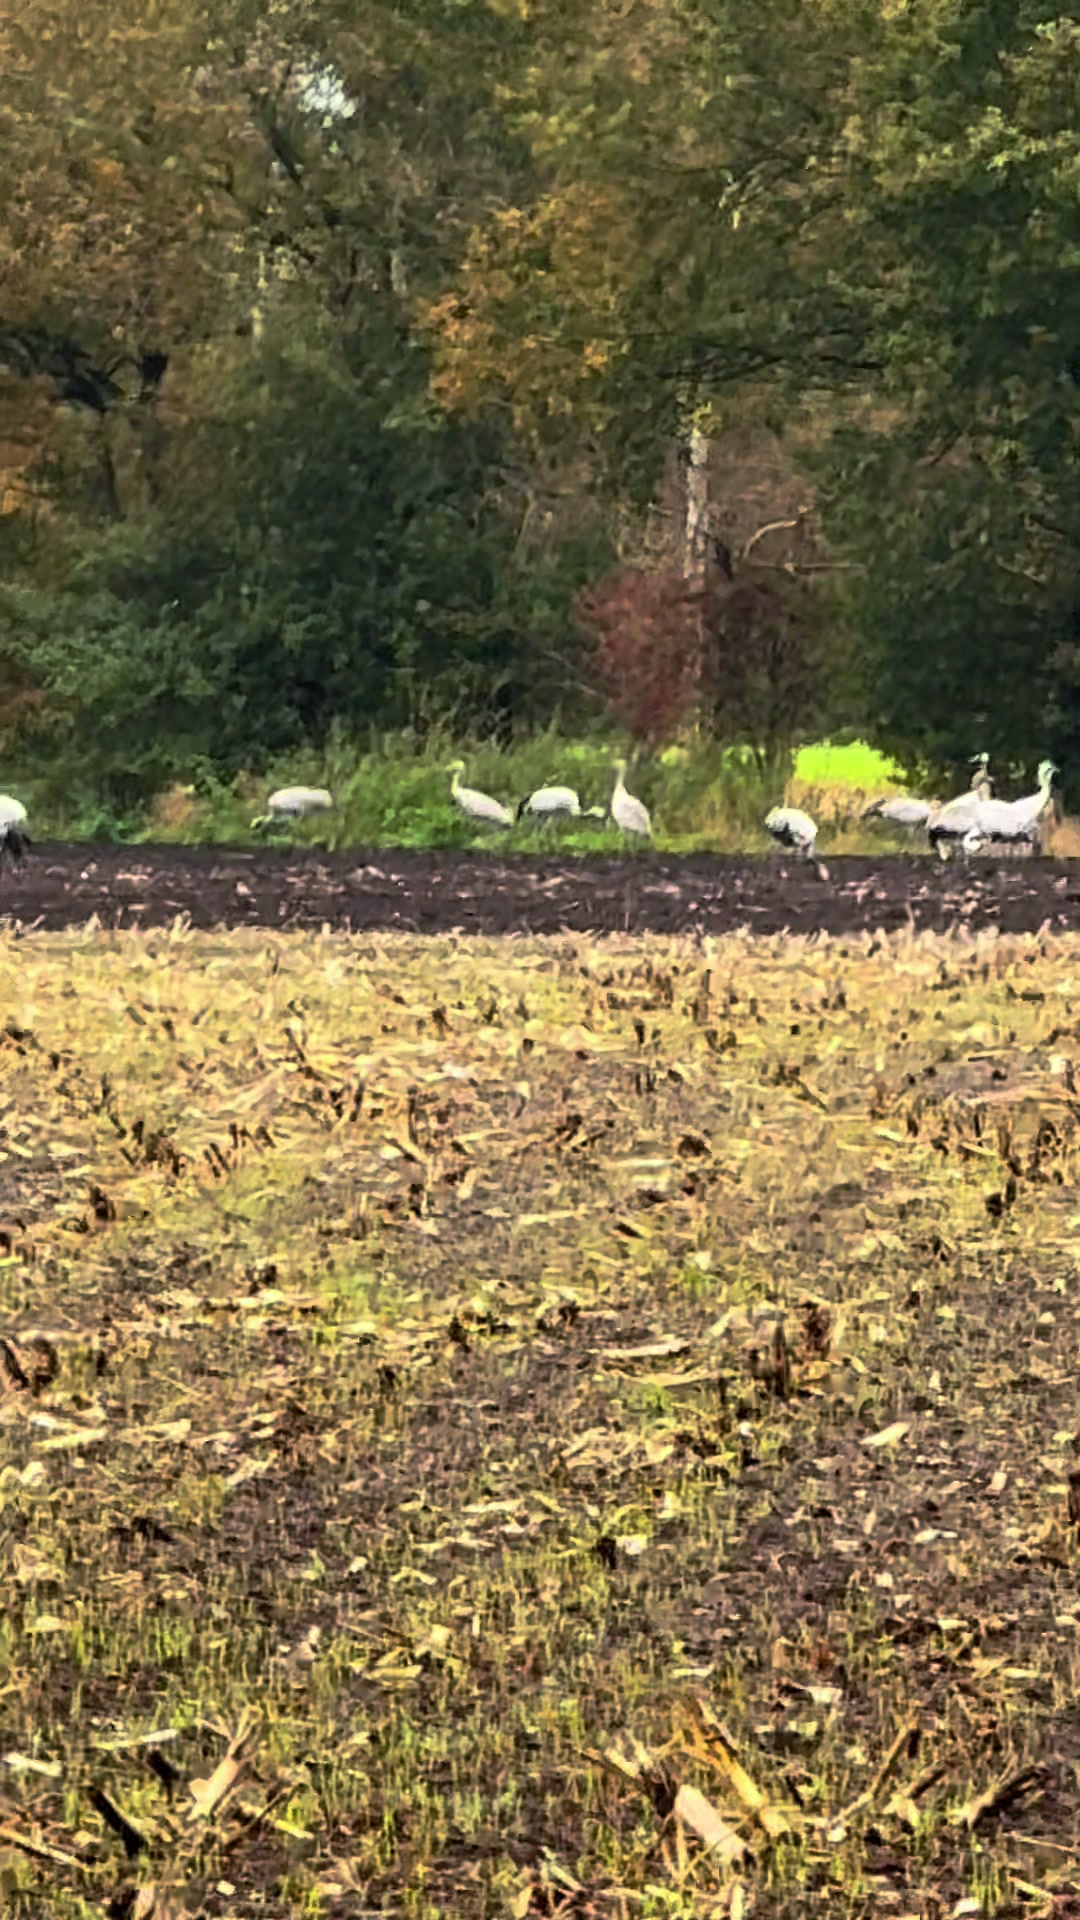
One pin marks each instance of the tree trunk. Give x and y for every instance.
(697, 501)
(109, 478)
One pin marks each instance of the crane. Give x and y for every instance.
(292, 803)
(975, 817)
(791, 827)
(981, 782)
(1013, 821)
(629, 815)
(953, 822)
(899, 810)
(551, 803)
(554, 803)
(14, 839)
(477, 806)
(902, 810)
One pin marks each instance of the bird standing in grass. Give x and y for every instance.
(292, 803)
(14, 839)
(550, 803)
(629, 815)
(557, 803)
(477, 806)
(791, 827)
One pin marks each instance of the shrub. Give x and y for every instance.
(647, 651)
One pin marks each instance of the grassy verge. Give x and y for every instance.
(445, 1384)
(701, 796)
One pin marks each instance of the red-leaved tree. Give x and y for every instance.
(647, 651)
(759, 658)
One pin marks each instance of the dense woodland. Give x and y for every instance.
(352, 353)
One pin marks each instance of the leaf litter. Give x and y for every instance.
(424, 1362)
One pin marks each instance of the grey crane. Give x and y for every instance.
(475, 805)
(550, 803)
(791, 827)
(292, 803)
(952, 824)
(900, 810)
(557, 803)
(903, 810)
(981, 782)
(14, 838)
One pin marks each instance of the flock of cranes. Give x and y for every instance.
(976, 818)
(967, 823)
(548, 804)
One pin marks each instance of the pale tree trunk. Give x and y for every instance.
(697, 500)
(258, 305)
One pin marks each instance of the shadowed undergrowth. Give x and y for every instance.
(457, 1396)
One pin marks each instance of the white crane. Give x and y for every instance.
(292, 803)
(791, 827)
(629, 815)
(477, 806)
(14, 839)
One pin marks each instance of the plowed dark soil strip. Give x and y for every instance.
(491, 893)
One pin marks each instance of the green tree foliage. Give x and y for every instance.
(863, 218)
(325, 560)
(963, 501)
(243, 520)
(236, 243)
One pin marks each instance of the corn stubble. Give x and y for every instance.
(542, 1427)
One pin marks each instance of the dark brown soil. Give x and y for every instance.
(484, 893)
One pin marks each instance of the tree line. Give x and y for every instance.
(342, 349)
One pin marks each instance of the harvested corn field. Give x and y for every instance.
(572, 1426)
